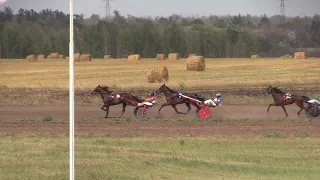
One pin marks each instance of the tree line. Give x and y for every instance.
(46, 31)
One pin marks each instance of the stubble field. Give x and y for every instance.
(240, 141)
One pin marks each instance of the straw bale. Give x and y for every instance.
(300, 55)
(161, 57)
(53, 56)
(158, 75)
(196, 63)
(76, 57)
(61, 56)
(134, 57)
(174, 56)
(85, 57)
(32, 58)
(41, 57)
(255, 56)
(107, 57)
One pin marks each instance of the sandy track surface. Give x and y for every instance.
(226, 120)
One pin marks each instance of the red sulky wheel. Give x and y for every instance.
(142, 112)
(205, 112)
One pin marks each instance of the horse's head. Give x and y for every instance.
(271, 90)
(162, 89)
(98, 90)
(268, 90)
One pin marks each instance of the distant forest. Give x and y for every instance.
(47, 31)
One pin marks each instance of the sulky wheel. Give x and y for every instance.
(313, 111)
(142, 112)
(204, 112)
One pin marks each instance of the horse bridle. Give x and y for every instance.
(268, 92)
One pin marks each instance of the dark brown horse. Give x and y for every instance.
(110, 99)
(173, 99)
(280, 99)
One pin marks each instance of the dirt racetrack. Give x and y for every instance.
(226, 120)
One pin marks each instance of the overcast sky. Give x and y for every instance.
(168, 7)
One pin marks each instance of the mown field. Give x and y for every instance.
(125, 74)
(274, 156)
(137, 152)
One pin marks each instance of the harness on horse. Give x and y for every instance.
(114, 96)
(286, 97)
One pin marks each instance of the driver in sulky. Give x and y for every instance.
(215, 102)
(151, 99)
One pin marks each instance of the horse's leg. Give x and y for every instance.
(188, 106)
(107, 111)
(175, 108)
(123, 109)
(163, 105)
(301, 108)
(300, 104)
(284, 110)
(270, 106)
(102, 108)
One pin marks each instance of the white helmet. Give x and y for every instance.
(218, 95)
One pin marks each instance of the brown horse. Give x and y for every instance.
(111, 99)
(280, 99)
(173, 99)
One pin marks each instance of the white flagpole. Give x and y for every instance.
(71, 93)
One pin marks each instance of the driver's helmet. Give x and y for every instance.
(219, 97)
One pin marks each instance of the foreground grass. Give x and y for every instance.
(43, 157)
(124, 74)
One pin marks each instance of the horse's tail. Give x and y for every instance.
(305, 99)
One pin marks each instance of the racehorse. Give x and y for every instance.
(280, 99)
(173, 99)
(111, 99)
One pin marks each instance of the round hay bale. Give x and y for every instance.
(158, 75)
(196, 63)
(32, 58)
(76, 57)
(85, 57)
(255, 56)
(41, 57)
(61, 56)
(161, 57)
(174, 56)
(53, 56)
(134, 57)
(300, 55)
(107, 57)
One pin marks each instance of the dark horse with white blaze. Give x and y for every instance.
(173, 99)
(280, 99)
(110, 99)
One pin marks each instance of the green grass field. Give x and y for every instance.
(46, 157)
(125, 74)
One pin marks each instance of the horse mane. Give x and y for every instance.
(106, 89)
(172, 91)
(278, 90)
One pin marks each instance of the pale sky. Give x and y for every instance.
(153, 8)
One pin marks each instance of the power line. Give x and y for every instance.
(282, 7)
(107, 8)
